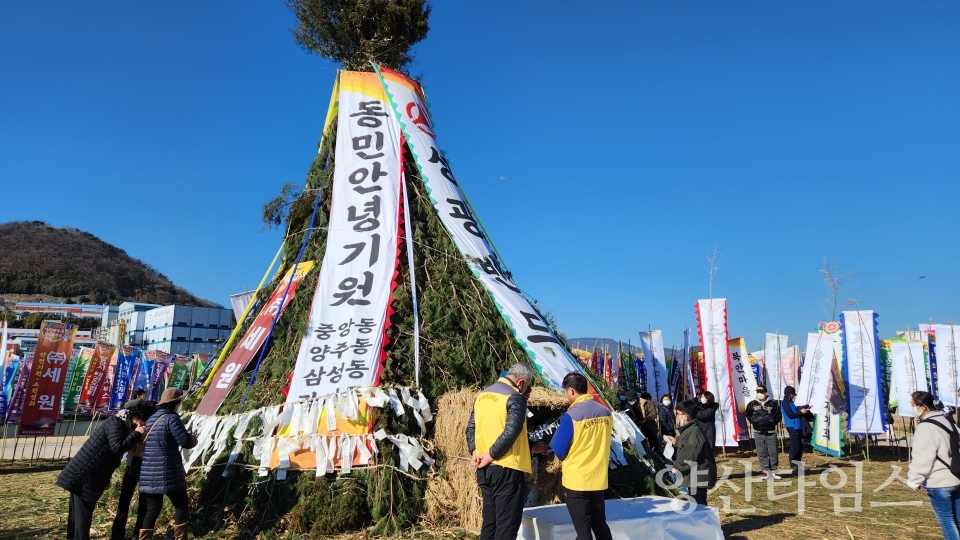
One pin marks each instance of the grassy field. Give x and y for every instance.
(31, 506)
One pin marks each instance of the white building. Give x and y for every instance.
(26, 339)
(133, 315)
(185, 329)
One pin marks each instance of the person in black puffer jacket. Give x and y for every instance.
(162, 470)
(706, 418)
(693, 461)
(88, 473)
(764, 415)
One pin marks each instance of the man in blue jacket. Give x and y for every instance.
(582, 443)
(793, 421)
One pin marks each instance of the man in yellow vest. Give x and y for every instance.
(497, 440)
(582, 443)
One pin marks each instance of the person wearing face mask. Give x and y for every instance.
(162, 470)
(934, 442)
(693, 459)
(500, 451)
(668, 426)
(764, 415)
(706, 417)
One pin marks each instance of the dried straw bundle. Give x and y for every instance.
(453, 498)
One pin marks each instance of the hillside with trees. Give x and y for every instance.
(76, 266)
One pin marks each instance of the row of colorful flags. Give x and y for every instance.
(56, 378)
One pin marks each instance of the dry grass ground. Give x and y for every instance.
(827, 511)
(31, 506)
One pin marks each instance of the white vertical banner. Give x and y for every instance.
(948, 383)
(655, 362)
(862, 373)
(815, 379)
(774, 350)
(910, 374)
(688, 363)
(712, 326)
(551, 359)
(343, 344)
(744, 381)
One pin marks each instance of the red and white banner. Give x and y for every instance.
(348, 316)
(93, 383)
(551, 359)
(45, 387)
(241, 355)
(712, 327)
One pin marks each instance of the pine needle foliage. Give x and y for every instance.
(357, 32)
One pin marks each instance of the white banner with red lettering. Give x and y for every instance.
(533, 333)
(343, 344)
(712, 327)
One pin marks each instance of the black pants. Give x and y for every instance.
(154, 503)
(796, 447)
(588, 513)
(503, 494)
(81, 513)
(131, 475)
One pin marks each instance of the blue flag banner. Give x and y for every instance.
(126, 360)
(140, 374)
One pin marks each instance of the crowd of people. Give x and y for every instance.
(683, 434)
(151, 435)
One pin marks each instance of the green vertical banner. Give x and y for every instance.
(179, 372)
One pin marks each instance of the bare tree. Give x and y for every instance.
(713, 265)
(839, 286)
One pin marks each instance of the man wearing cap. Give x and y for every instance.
(162, 472)
(764, 415)
(582, 443)
(500, 451)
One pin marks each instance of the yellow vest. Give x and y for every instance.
(586, 465)
(490, 417)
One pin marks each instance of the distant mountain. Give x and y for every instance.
(66, 263)
(611, 345)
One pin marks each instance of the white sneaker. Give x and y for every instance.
(775, 476)
(765, 475)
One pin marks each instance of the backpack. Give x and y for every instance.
(954, 439)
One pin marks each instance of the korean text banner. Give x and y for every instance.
(179, 370)
(106, 388)
(655, 362)
(744, 382)
(96, 373)
(712, 326)
(543, 347)
(910, 374)
(814, 382)
(945, 359)
(348, 317)
(774, 350)
(19, 394)
(245, 351)
(861, 346)
(41, 407)
(82, 363)
(127, 359)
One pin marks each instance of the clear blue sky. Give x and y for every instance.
(633, 138)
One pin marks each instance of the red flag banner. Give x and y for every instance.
(96, 373)
(244, 352)
(49, 375)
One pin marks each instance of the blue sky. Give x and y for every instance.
(605, 150)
